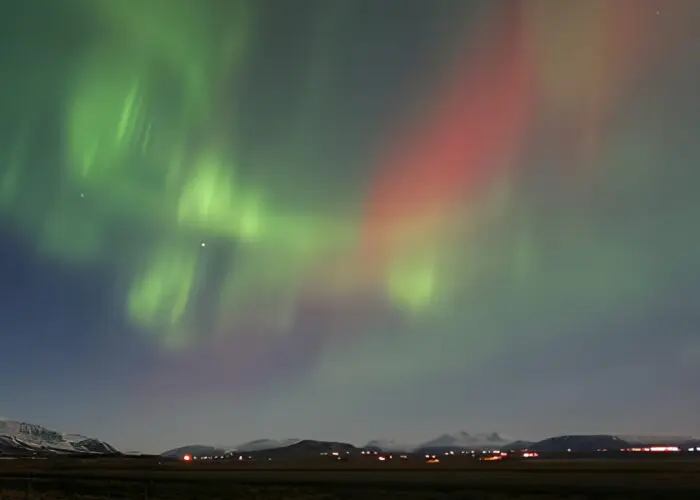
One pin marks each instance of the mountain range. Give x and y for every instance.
(445, 442)
(459, 441)
(21, 438)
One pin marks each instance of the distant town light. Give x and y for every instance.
(664, 448)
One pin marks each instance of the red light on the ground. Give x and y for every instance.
(187, 458)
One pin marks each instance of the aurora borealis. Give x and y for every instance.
(326, 196)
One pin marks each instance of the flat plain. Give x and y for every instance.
(99, 479)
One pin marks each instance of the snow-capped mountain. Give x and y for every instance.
(446, 442)
(264, 444)
(464, 440)
(389, 445)
(21, 437)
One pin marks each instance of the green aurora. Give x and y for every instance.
(213, 235)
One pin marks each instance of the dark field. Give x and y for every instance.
(97, 479)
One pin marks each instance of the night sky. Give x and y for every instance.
(223, 220)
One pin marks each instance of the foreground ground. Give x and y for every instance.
(94, 479)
